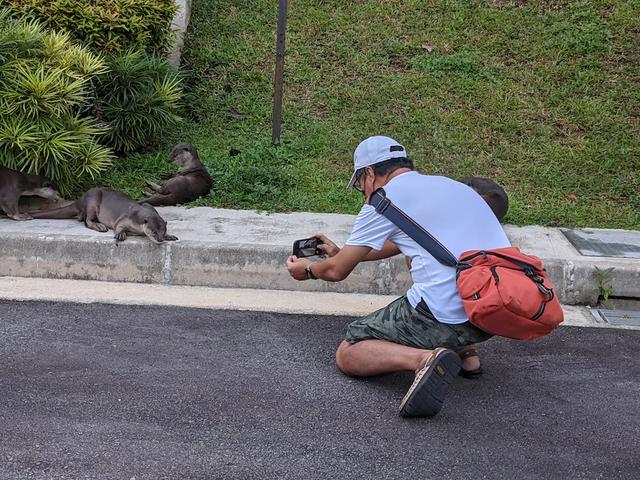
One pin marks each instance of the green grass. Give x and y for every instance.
(542, 96)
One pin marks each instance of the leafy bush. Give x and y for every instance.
(45, 89)
(138, 99)
(106, 25)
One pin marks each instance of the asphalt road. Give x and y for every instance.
(124, 392)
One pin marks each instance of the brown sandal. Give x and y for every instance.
(426, 395)
(468, 352)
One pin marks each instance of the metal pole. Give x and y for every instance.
(278, 79)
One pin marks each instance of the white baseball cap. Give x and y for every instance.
(375, 150)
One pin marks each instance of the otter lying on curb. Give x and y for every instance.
(14, 184)
(102, 209)
(191, 181)
(492, 193)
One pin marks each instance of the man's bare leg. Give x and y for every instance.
(435, 371)
(374, 357)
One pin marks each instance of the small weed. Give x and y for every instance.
(603, 278)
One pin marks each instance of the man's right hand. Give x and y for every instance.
(328, 248)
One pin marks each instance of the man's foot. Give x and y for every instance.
(470, 362)
(426, 396)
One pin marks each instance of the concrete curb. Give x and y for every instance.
(179, 26)
(244, 249)
(280, 301)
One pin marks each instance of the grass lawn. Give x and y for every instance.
(543, 96)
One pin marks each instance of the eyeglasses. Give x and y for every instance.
(359, 176)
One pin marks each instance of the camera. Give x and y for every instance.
(307, 247)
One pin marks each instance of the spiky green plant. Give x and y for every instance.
(106, 25)
(138, 98)
(46, 90)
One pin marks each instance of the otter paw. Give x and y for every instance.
(153, 186)
(120, 237)
(167, 175)
(170, 238)
(21, 217)
(100, 227)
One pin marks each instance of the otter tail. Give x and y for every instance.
(69, 211)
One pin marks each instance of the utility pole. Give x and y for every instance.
(278, 78)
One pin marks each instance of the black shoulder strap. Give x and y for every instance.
(385, 207)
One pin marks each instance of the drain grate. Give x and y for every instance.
(618, 317)
(605, 243)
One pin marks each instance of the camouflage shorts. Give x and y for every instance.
(400, 323)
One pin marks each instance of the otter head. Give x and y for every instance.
(492, 193)
(153, 225)
(42, 187)
(183, 154)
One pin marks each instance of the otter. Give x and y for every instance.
(492, 192)
(15, 184)
(191, 181)
(102, 209)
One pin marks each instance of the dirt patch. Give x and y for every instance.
(568, 132)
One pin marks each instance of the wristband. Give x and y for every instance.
(310, 274)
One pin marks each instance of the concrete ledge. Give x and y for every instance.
(63, 256)
(245, 249)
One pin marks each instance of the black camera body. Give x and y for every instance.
(307, 247)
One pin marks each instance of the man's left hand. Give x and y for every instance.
(296, 267)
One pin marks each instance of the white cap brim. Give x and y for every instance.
(352, 181)
(374, 150)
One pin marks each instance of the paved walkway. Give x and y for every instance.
(121, 392)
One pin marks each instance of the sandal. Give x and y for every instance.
(426, 395)
(468, 352)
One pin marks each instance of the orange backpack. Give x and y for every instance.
(504, 291)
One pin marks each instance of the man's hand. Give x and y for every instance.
(296, 267)
(329, 248)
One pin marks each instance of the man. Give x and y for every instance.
(423, 330)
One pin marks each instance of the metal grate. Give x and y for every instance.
(618, 317)
(605, 243)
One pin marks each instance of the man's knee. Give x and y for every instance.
(342, 358)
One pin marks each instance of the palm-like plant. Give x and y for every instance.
(46, 88)
(18, 40)
(138, 99)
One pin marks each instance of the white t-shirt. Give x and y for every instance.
(453, 213)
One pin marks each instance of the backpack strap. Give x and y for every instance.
(385, 207)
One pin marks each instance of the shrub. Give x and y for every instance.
(45, 91)
(106, 25)
(138, 98)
